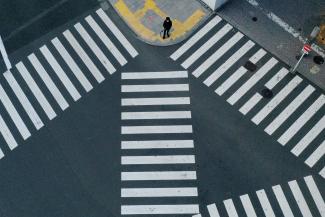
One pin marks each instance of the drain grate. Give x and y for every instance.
(267, 93)
(250, 66)
(318, 60)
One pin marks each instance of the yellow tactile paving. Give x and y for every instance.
(134, 20)
(321, 35)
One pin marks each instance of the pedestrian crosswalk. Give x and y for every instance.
(239, 71)
(158, 174)
(59, 73)
(296, 198)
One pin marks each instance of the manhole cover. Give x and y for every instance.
(250, 66)
(318, 60)
(267, 93)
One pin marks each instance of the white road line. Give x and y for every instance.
(23, 100)
(217, 55)
(302, 120)
(229, 63)
(94, 48)
(299, 197)
(159, 209)
(48, 82)
(7, 135)
(159, 192)
(14, 115)
(60, 73)
(230, 208)
(158, 159)
(195, 38)
(276, 78)
(1, 154)
(156, 129)
(154, 75)
(213, 211)
(250, 103)
(36, 91)
(118, 34)
(156, 115)
(154, 88)
(316, 155)
(289, 110)
(266, 110)
(197, 215)
(157, 144)
(265, 203)
(309, 137)
(322, 172)
(315, 193)
(84, 56)
(206, 46)
(248, 206)
(282, 200)
(158, 175)
(252, 81)
(239, 73)
(155, 101)
(72, 64)
(107, 42)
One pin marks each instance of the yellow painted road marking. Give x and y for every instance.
(134, 20)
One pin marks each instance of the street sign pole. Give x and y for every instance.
(305, 50)
(4, 54)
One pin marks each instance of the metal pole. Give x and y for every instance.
(296, 66)
(4, 54)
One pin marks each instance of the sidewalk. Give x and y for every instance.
(145, 18)
(273, 37)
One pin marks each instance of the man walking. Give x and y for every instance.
(167, 26)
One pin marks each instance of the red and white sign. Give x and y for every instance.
(306, 49)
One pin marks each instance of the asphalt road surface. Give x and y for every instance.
(132, 129)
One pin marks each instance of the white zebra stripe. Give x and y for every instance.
(157, 144)
(195, 38)
(302, 120)
(266, 110)
(36, 91)
(72, 64)
(282, 200)
(206, 46)
(7, 135)
(158, 175)
(158, 159)
(156, 129)
(94, 48)
(230, 208)
(60, 73)
(118, 34)
(155, 101)
(213, 211)
(252, 81)
(154, 75)
(216, 55)
(251, 103)
(159, 209)
(309, 137)
(316, 155)
(156, 115)
(14, 115)
(32, 114)
(159, 192)
(299, 197)
(106, 41)
(229, 63)
(248, 206)
(316, 195)
(265, 203)
(47, 80)
(289, 110)
(154, 88)
(84, 56)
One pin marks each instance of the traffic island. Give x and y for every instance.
(146, 17)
